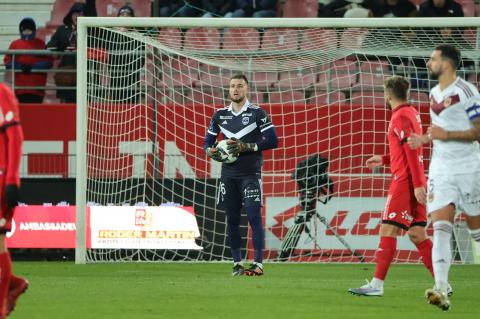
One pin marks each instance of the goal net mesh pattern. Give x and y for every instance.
(152, 91)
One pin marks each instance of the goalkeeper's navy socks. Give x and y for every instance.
(236, 255)
(384, 256)
(254, 214)
(425, 250)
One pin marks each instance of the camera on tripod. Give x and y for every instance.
(314, 185)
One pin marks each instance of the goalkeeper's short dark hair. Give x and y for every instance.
(398, 86)
(451, 53)
(240, 77)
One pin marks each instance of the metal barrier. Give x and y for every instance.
(8, 75)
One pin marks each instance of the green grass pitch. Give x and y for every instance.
(207, 290)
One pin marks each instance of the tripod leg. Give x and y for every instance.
(290, 241)
(341, 240)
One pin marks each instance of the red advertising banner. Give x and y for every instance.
(37, 226)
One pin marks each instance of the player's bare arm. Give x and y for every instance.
(374, 161)
(470, 135)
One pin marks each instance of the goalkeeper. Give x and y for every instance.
(250, 131)
(405, 208)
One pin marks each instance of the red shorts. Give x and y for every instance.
(6, 213)
(402, 208)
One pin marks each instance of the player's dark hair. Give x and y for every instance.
(398, 86)
(451, 53)
(239, 77)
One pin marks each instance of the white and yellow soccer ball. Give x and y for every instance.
(226, 155)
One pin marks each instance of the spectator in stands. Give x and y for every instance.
(440, 8)
(24, 64)
(253, 8)
(65, 39)
(216, 8)
(393, 8)
(180, 8)
(339, 8)
(126, 11)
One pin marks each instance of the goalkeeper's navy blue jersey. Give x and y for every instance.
(248, 126)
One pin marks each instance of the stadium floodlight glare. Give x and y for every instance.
(147, 87)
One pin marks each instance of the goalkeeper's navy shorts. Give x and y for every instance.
(235, 192)
(402, 208)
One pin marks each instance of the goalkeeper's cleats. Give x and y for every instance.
(255, 269)
(238, 270)
(367, 290)
(438, 298)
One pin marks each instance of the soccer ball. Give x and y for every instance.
(227, 156)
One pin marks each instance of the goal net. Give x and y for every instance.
(147, 89)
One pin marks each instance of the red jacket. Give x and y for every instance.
(36, 62)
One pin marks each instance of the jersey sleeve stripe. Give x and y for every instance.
(212, 133)
(7, 125)
(266, 128)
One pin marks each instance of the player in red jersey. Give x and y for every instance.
(11, 138)
(405, 207)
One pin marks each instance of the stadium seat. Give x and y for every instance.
(418, 97)
(261, 80)
(280, 40)
(318, 39)
(180, 64)
(372, 74)
(245, 39)
(254, 97)
(59, 11)
(297, 79)
(109, 8)
(203, 96)
(202, 39)
(352, 38)
(368, 99)
(322, 98)
(219, 80)
(188, 78)
(343, 75)
(287, 97)
(170, 37)
(300, 8)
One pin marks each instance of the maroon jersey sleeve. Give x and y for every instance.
(404, 126)
(10, 127)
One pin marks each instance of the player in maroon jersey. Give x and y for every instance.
(405, 207)
(11, 138)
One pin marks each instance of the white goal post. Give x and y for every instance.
(147, 87)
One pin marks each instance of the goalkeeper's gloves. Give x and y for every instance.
(214, 153)
(12, 195)
(236, 146)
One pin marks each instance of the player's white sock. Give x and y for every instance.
(238, 263)
(442, 253)
(376, 283)
(475, 235)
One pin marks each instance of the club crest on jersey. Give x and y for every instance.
(245, 120)
(447, 102)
